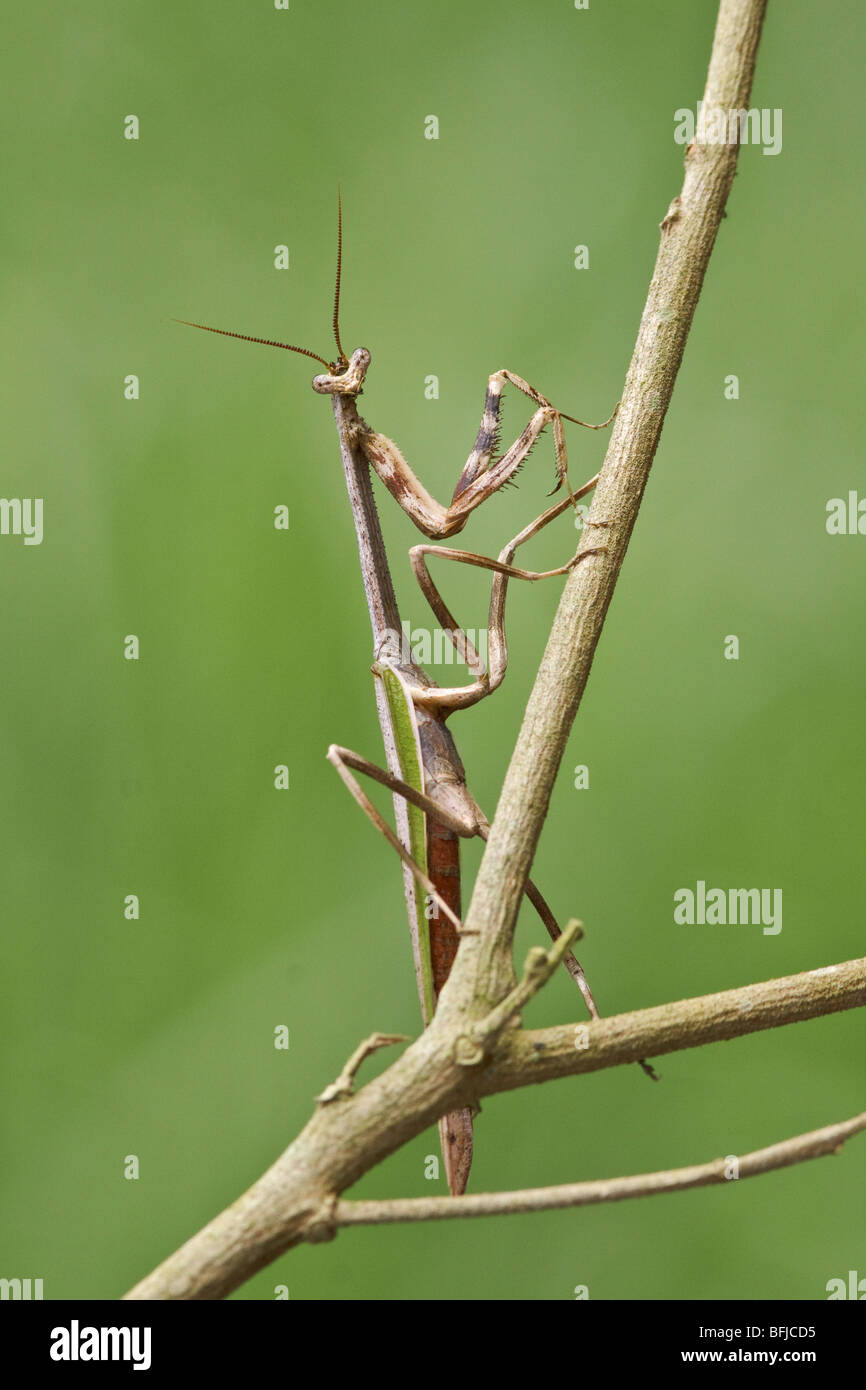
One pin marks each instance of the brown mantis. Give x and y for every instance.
(433, 805)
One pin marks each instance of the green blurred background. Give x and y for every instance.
(259, 908)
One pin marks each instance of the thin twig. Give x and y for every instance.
(816, 1144)
(342, 1087)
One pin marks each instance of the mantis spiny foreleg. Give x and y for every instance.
(482, 474)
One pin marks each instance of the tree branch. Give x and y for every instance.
(296, 1199)
(816, 1144)
(571, 1049)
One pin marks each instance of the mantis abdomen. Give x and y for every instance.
(444, 783)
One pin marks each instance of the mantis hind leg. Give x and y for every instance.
(343, 760)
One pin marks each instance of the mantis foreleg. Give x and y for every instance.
(481, 476)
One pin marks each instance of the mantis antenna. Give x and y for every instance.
(334, 367)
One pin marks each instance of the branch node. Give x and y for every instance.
(468, 1050)
(471, 1048)
(673, 214)
(322, 1224)
(536, 960)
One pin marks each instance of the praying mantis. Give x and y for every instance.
(433, 805)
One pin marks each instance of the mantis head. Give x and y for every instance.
(346, 378)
